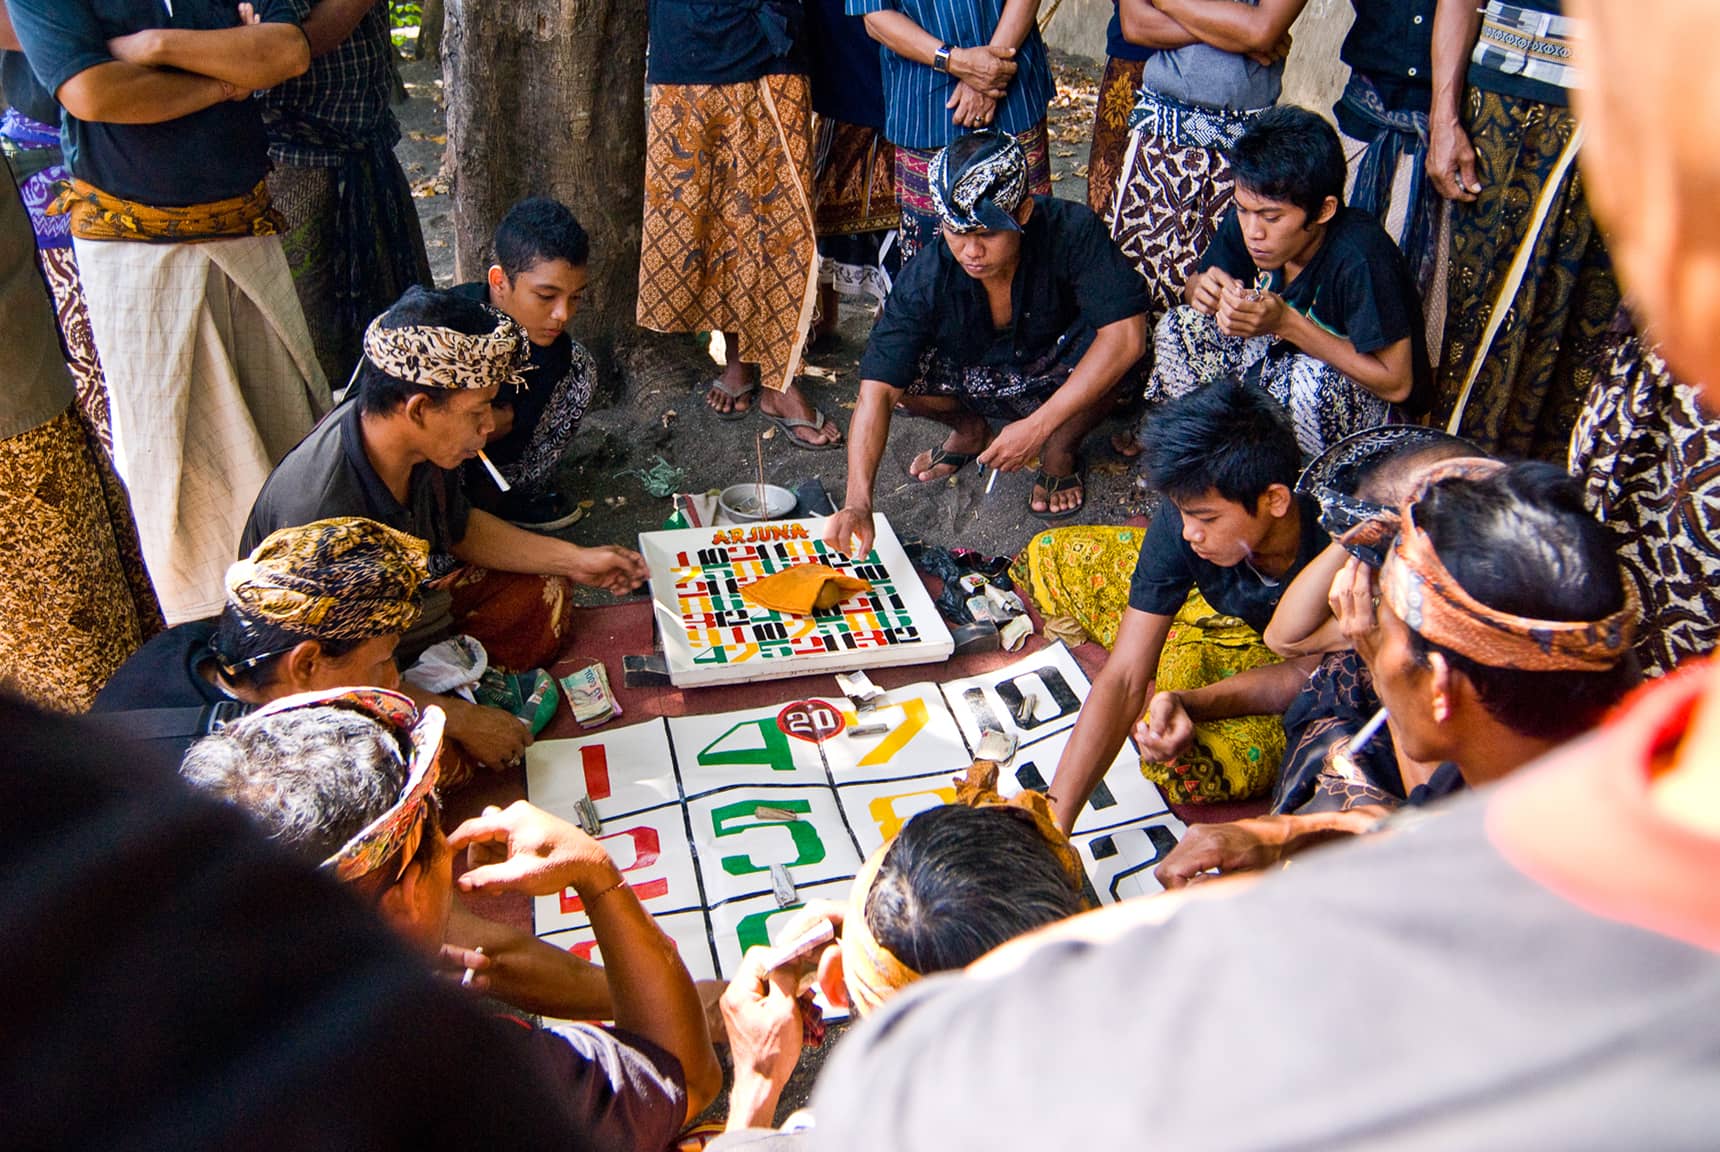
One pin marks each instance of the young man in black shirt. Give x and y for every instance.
(1026, 313)
(1308, 299)
(537, 277)
(1227, 540)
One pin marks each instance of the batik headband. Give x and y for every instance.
(431, 356)
(1430, 601)
(344, 578)
(984, 194)
(873, 973)
(390, 834)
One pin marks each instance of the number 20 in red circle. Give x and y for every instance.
(811, 720)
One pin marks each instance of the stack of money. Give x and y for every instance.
(590, 697)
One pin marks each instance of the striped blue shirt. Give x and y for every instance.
(914, 95)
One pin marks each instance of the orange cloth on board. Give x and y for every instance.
(804, 588)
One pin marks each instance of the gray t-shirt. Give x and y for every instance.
(1209, 77)
(1413, 990)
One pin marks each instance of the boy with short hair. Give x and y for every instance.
(1228, 538)
(1300, 295)
(538, 278)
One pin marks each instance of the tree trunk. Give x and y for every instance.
(547, 98)
(430, 20)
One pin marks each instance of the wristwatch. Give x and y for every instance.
(941, 59)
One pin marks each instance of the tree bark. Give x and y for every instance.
(547, 98)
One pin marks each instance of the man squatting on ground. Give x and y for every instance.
(1025, 313)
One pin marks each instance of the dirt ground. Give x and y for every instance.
(659, 415)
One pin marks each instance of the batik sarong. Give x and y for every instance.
(546, 416)
(858, 217)
(73, 593)
(1003, 391)
(32, 150)
(353, 243)
(1649, 461)
(211, 379)
(1111, 132)
(1231, 759)
(729, 243)
(1325, 406)
(1080, 574)
(1333, 706)
(920, 224)
(523, 621)
(1524, 398)
(1173, 191)
(1083, 572)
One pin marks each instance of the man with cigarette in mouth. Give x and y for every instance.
(420, 407)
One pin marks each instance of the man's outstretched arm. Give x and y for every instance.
(1111, 709)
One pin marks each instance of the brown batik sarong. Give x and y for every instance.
(73, 593)
(729, 242)
(1111, 132)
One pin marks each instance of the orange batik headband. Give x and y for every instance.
(1429, 600)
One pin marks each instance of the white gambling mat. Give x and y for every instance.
(711, 635)
(694, 807)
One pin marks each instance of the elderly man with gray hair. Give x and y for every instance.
(345, 779)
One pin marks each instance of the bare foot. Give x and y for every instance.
(1126, 444)
(793, 405)
(968, 440)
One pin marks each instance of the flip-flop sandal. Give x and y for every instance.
(789, 423)
(939, 457)
(1051, 485)
(746, 391)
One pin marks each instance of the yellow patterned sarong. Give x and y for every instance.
(1081, 574)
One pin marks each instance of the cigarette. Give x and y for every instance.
(495, 473)
(471, 974)
(992, 481)
(1367, 732)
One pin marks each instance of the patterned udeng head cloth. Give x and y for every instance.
(979, 187)
(416, 739)
(345, 578)
(1430, 601)
(431, 356)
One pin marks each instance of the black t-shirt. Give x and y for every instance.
(547, 368)
(327, 474)
(1168, 571)
(724, 42)
(1070, 273)
(1118, 46)
(847, 71)
(210, 155)
(190, 986)
(24, 92)
(1391, 43)
(167, 672)
(1356, 286)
